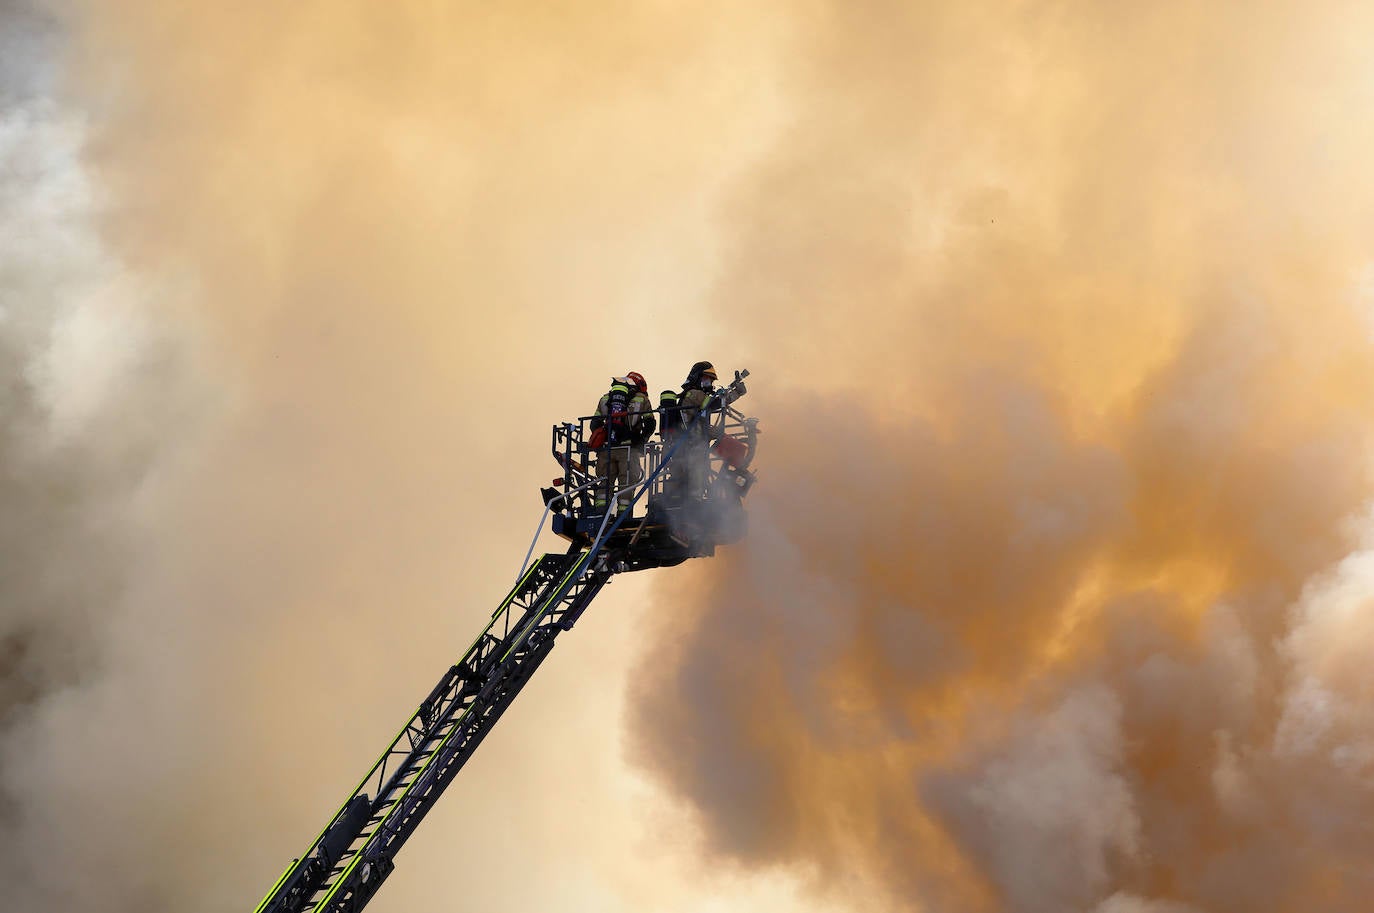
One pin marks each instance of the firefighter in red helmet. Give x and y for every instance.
(618, 433)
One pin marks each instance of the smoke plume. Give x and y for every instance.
(1056, 593)
(94, 394)
(291, 299)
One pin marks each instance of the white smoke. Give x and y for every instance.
(1327, 725)
(1056, 783)
(92, 388)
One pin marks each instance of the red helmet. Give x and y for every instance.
(637, 379)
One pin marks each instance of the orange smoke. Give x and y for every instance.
(1057, 588)
(1046, 604)
(289, 299)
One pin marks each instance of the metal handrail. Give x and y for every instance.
(721, 421)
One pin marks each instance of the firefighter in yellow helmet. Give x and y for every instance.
(696, 406)
(696, 391)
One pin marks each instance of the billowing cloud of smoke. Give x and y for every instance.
(1054, 588)
(93, 406)
(291, 297)
(1057, 590)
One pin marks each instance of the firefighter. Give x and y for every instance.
(613, 430)
(692, 457)
(697, 408)
(696, 391)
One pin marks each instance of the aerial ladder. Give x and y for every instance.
(688, 514)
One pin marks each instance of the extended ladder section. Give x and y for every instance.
(348, 861)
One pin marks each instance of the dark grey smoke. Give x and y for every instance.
(29, 36)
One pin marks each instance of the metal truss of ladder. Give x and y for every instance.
(349, 860)
(346, 864)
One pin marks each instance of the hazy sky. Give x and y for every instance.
(1057, 592)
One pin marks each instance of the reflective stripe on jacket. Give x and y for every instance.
(617, 413)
